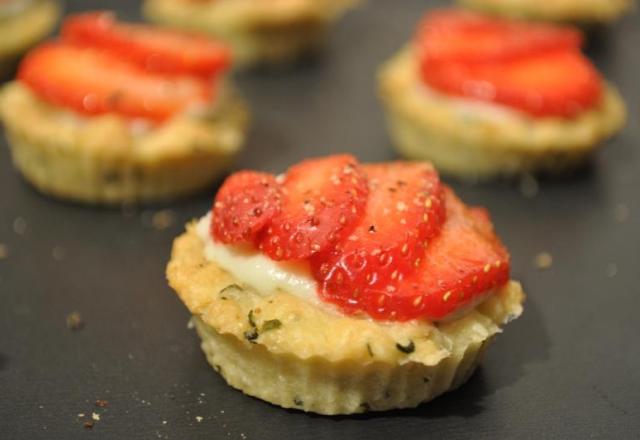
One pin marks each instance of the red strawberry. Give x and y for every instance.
(451, 35)
(245, 203)
(92, 82)
(559, 84)
(404, 210)
(459, 268)
(322, 199)
(156, 50)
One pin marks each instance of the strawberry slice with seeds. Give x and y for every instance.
(93, 82)
(459, 268)
(322, 199)
(245, 203)
(558, 84)
(451, 35)
(404, 210)
(154, 49)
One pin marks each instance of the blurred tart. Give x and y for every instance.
(340, 288)
(481, 97)
(574, 11)
(116, 112)
(276, 31)
(23, 23)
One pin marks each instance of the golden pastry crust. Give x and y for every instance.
(477, 141)
(23, 30)
(258, 32)
(101, 160)
(279, 348)
(576, 11)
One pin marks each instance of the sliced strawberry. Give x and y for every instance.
(245, 203)
(156, 50)
(322, 199)
(404, 210)
(559, 84)
(460, 267)
(451, 35)
(92, 82)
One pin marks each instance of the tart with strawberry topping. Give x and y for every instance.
(23, 23)
(340, 287)
(573, 11)
(482, 97)
(116, 112)
(259, 32)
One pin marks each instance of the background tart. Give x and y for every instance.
(285, 350)
(258, 32)
(109, 159)
(22, 29)
(577, 11)
(471, 139)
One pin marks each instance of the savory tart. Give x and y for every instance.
(115, 112)
(481, 97)
(574, 11)
(340, 288)
(259, 32)
(23, 23)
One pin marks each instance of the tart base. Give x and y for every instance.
(472, 140)
(573, 11)
(267, 33)
(322, 362)
(99, 160)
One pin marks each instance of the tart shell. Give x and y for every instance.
(318, 360)
(257, 32)
(473, 140)
(100, 160)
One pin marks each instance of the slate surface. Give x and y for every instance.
(567, 369)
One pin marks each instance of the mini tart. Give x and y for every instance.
(258, 32)
(473, 140)
(575, 11)
(318, 361)
(102, 159)
(23, 28)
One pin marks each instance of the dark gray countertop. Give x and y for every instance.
(568, 368)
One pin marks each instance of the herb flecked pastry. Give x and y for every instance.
(23, 23)
(482, 97)
(340, 288)
(259, 32)
(115, 112)
(574, 11)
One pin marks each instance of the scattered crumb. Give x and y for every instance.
(88, 424)
(612, 270)
(80, 415)
(101, 403)
(4, 251)
(164, 422)
(199, 419)
(621, 213)
(190, 324)
(74, 321)
(528, 186)
(243, 435)
(543, 260)
(58, 253)
(95, 416)
(163, 219)
(19, 225)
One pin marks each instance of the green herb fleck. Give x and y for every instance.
(409, 348)
(369, 349)
(297, 401)
(271, 324)
(251, 335)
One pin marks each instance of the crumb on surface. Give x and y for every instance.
(543, 260)
(88, 424)
(199, 419)
(163, 219)
(4, 251)
(95, 416)
(74, 321)
(101, 403)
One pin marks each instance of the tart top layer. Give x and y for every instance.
(385, 240)
(532, 67)
(101, 66)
